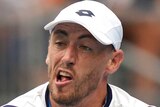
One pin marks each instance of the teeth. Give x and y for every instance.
(64, 74)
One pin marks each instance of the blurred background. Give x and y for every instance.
(23, 46)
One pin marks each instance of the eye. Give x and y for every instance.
(85, 48)
(60, 44)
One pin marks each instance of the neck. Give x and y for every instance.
(95, 99)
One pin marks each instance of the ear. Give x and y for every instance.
(47, 59)
(115, 61)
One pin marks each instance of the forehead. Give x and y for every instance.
(68, 29)
(71, 28)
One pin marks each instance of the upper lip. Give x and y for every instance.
(64, 70)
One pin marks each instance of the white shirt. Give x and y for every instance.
(36, 98)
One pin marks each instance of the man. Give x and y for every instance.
(84, 49)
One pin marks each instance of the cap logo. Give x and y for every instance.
(85, 13)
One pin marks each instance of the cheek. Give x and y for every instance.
(89, 65)
(98, 66)
(89, 75)
(93, 63)
(54, 59)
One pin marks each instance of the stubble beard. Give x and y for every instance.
(81, 88)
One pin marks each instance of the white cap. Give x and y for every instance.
(99, 20)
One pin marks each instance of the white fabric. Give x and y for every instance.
(33, 98)
(102, 23)
(36, 98)
(120, 98)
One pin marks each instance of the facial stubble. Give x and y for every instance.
(80, 89)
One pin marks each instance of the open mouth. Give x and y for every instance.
(63, 77)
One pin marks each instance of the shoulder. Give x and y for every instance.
(120, 98)
(34, 97)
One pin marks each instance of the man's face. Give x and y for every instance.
(76, 63)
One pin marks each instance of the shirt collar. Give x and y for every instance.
(107, 101)
(48, 103)
(108, 97)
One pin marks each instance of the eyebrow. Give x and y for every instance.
(63, 32)
(90, 36)
(59, 31)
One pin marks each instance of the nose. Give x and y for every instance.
(69, 57)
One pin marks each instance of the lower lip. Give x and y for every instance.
(62, 84)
